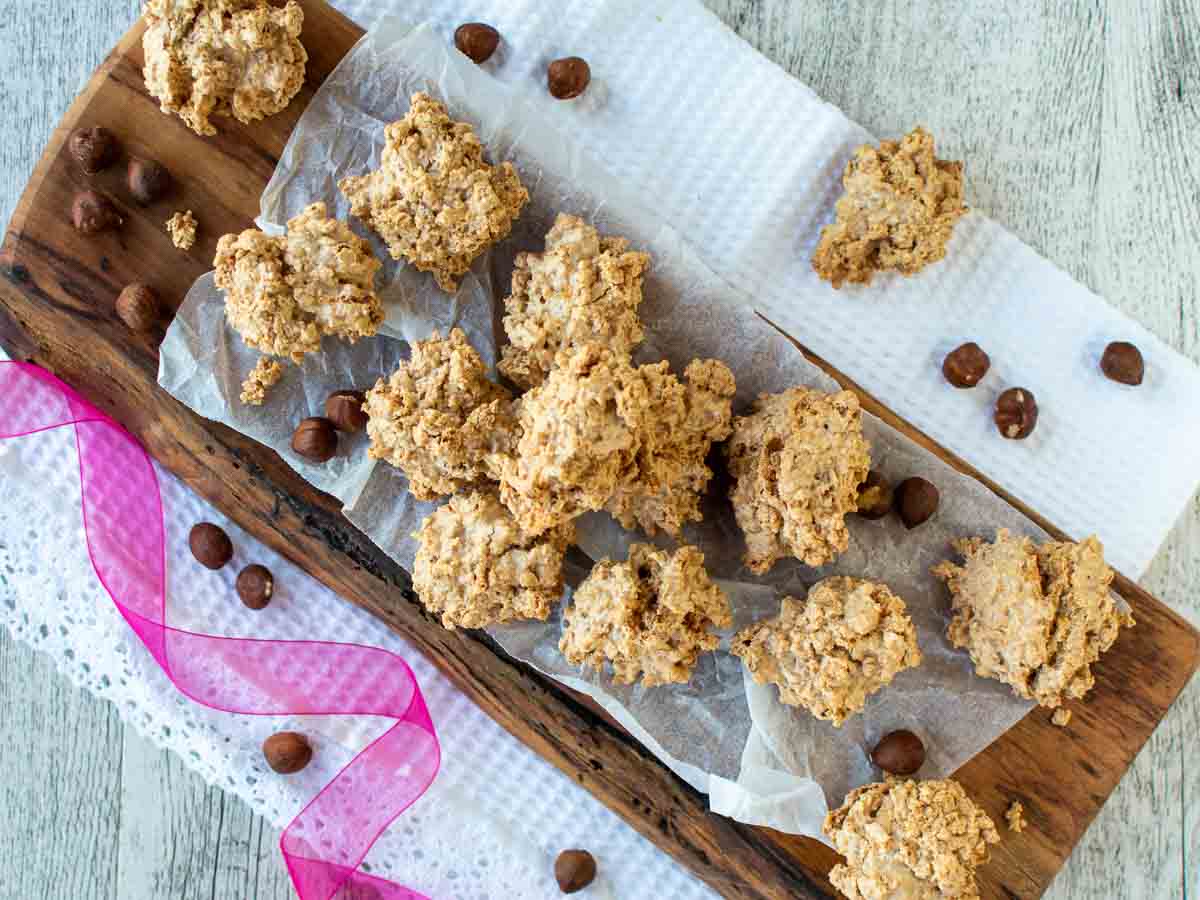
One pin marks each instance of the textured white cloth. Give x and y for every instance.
(495, 817)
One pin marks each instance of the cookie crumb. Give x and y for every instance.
(1061, 717)
(898, 211)
(1015, 817)
(264, 376)
(182, 228)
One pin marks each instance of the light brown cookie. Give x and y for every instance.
(798, 458)
(240, 58)
(649, 617)
(669, 474)
(440, 420)
(829, 653)
(583, 288)
(909, 839)
(898, 211)
(1034, 617)
(433, 199)
(476, 567)
(283, 294)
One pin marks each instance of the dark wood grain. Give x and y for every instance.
(56, 308)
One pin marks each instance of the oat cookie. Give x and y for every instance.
(433, 199)
(898, 211)
(240, 58)
(283, 294)
(1035, 617)
(798, 458)
(476, 567)
(829, 653)
(182, 229)
(439, 419)
(909, 839)
(264, 376)
(669, 473)
(580, 433)
(650, 617)
(583, 288)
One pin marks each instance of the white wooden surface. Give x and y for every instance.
(1080, 123)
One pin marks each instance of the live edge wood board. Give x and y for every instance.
(57, 291)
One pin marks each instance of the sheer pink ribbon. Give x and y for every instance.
(123, 521)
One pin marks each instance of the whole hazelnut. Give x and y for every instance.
(916, 501)
(574, 870)
(874, 496)
(1123, 362)
(315, 439)
(964, 366)
(477, 40)
(148, 180)
(345, 410)
(1016, 413)
(92, 212)
(255, 585)
(93, 148)
(210, 545)
(568, 77)
(137, 305)
(287, 752)
(899, 753)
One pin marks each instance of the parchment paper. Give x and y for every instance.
(760, 761)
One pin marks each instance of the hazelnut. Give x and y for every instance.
(964, 366)
(574, 870)
(137, 306)
(899, 753)
(210, 545)
(568, 77)
(477, 40)
(148, 180)
(315, 439)
(345, 410)
(287, 752)
(874, 496)
(255, 584)
(93, 212)
(93, 148)
(1016, 413)
(1122, 362)
(916, 501)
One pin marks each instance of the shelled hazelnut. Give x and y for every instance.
(574, 870)
(93, 148)
(345, 410)
(210, 545)
(477, 40)
(92, 213)
(1016, 413)
(137, 306)
(568, 77)
(148, 180)
(287, 752)
(315, 439)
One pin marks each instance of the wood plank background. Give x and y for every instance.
(1106, 95)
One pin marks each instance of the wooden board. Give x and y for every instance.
(56, 296)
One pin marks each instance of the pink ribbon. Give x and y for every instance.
(123, 520)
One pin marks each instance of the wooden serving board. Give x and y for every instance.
(57, 291)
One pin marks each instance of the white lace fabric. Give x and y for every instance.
(495, 817)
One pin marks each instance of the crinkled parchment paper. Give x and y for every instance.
(760, 761)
